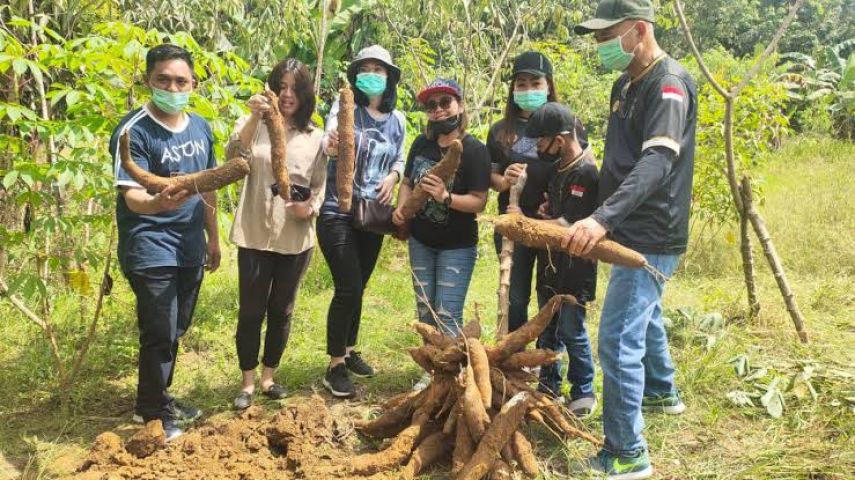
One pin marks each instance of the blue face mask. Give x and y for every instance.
(530, 100)
(170, 102)
(371, 84)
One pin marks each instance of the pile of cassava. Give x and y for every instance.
(474, 407)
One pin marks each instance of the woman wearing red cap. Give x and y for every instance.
(443, 245)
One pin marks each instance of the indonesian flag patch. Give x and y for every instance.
(672, 93)
(577, 190)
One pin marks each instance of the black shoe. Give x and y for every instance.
(357, 365)
(170, 428)
(243, 401)
(183, 413)
(337, 381)
(276, 392)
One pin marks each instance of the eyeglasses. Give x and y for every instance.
(443, 103)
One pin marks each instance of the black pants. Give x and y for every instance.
(268, 285)
(351, 255)
(166, 297)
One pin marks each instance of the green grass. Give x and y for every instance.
(809, 207)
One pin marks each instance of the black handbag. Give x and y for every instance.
(373, 216)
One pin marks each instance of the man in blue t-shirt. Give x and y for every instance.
(162, 236)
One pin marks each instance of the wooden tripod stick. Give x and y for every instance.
(506, 261)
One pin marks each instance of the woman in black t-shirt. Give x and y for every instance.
(444, 234)
(511, 154)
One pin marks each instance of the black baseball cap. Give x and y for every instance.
(551, 119)
(534, 63)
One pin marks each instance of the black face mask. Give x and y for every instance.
(549, 157)
(446, 126)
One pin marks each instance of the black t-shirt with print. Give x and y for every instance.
(436, 225)
(646, 177)
(572, 196)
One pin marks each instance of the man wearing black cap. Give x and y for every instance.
(572, 194)
(645, 189)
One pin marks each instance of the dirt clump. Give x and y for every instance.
(302, 440)
(148, 440)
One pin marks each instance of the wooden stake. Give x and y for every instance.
(506, 262)
(774, 260)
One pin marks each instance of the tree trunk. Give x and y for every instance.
(748, 266)
(774, 261)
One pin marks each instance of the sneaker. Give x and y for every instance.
(171, 429)
(337, 381)
(422, 383)
(622, 468)
(243, 401)
(357, 365)
(583, 407)
(670, 404)
(182, 413)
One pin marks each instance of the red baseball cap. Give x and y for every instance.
(440, 85)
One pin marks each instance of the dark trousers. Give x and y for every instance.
(166, 297)
(351, 255)
(519, 293)
(268, 285)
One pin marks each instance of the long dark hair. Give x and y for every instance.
(390, 95)
(304, 89)
(512, 111)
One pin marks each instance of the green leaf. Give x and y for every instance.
(740, 365)
(9, 179)
(773, 400)
(72, 97)
(740, 398)
(19, 65)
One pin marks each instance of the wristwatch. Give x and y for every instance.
(447, 200)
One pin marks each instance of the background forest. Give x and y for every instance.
(70, 69)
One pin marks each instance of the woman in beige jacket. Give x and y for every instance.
(275, 238)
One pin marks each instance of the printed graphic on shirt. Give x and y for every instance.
(189, 149)
(524, 148)
(433, 211)
(375, 154)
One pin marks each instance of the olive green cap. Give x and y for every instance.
(612, 12)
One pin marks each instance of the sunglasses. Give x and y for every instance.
(443, 103)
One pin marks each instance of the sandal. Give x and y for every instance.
(276, 392)
(243, 401)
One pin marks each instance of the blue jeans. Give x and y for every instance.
(567, 329)
(633, 350)
(441, 280)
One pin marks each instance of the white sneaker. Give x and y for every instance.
(422, 383)
(583, 407)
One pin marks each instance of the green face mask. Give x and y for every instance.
(170, 102)
(371, 84)
(613, 56)
(530, 100)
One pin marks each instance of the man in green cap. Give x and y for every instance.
(645, 192)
